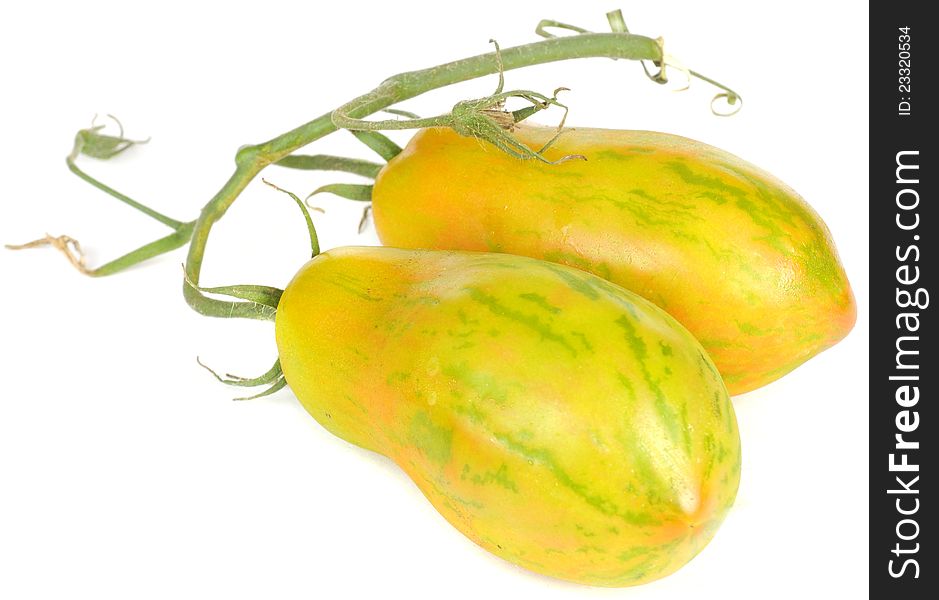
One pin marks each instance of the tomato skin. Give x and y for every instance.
(557, 420)
(727, 249)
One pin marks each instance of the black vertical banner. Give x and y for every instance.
(903, 269)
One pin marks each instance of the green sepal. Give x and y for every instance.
(271, 376)
(311, 230)
(349, 191)
(379, 143)
(325, 162)
(277, 386)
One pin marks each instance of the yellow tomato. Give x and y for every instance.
(557, 420)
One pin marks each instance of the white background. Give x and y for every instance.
(126, 471)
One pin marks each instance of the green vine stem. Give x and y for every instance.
(483, 118)
(251, 160)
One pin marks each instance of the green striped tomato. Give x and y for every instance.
(557, 420)
(727, 249)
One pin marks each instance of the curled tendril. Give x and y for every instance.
(120, 126)
(731, 100)
(91, 142)
(618, 25)
(544, 24)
